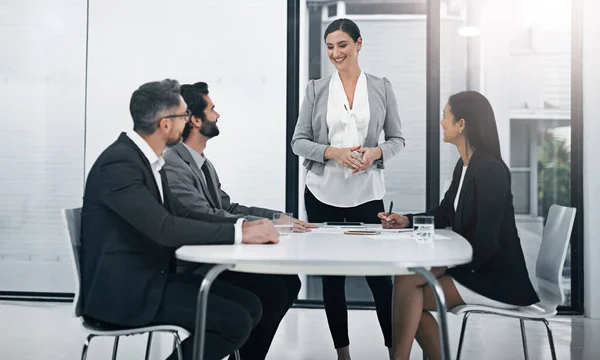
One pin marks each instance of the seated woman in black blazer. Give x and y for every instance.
(479, 206)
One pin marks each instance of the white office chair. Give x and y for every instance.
(548, 271)
(72, 219)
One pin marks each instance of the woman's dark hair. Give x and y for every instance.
(346, 25)
(480, 123)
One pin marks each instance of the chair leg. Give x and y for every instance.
(524, 338)
(237, 355)
(86, 345)
(463, 328)
(115, 348)
(177, 345)
(148, 346)
(550, 339)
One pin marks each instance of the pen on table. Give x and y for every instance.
(390, 211)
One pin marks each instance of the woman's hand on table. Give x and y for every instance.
(393, 220)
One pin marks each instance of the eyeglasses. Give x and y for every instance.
(187, 116)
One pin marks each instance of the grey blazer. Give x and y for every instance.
(311, 134)
(189, 185)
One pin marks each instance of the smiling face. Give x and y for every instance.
(452, 129)
(342, 50)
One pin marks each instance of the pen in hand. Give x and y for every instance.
(390, 211)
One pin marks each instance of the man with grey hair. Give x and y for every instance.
(129, 234)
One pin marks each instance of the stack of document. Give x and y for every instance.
(335, 229)
(331, 229)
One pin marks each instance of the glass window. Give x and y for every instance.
(42, 134)
(518, 54)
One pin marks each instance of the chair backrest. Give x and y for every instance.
(552, 254)
(72, 220)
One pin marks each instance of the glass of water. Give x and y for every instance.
(284, 223)
(423, 228)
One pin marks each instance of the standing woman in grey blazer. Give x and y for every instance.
(337, 133)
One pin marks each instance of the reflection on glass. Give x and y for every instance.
(518, 54)
(42, 139)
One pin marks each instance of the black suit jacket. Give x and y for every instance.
(486, 218)
(129, 236)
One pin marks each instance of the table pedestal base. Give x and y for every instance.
(202, 303)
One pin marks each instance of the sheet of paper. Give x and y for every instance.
(335, 230)
(403, 236)
(395, 231)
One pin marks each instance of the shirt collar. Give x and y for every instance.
(199, 158)
(156, 162)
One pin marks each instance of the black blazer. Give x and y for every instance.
(486, 218)
(129, 236)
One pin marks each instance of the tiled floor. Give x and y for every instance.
(47, 331)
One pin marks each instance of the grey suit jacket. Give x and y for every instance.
(311, 134)
(189, 185)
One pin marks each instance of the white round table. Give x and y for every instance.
(327, 251)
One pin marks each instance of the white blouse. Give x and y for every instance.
(347, 128)
(460, 184)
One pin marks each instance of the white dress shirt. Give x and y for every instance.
(347, 127)
(157, 163)
(199, 158)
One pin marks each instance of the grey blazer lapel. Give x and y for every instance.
(184, 154)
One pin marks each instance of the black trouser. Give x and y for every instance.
(334, 287)
(231, 314)
(277, 294)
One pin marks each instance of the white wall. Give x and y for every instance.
(237, 47)
(591, 165)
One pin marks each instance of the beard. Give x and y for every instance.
(209, 129)
(174, 141)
